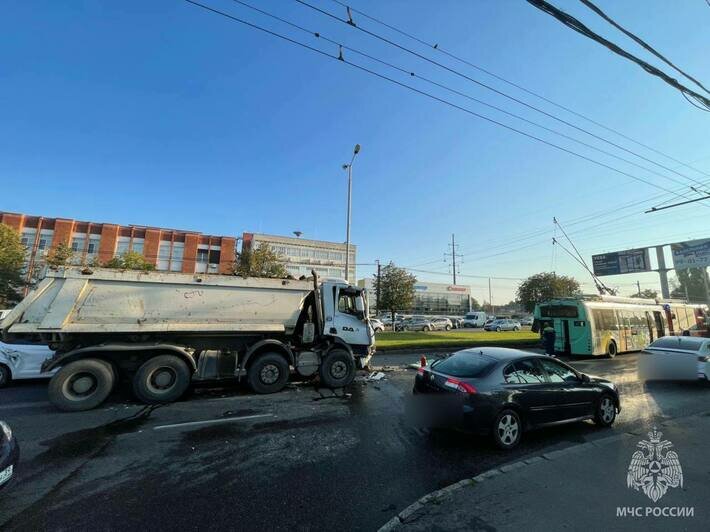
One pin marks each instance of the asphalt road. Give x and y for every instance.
(304, 459)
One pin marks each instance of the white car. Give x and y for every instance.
(20, 361)
(675, 356)
(377, 325)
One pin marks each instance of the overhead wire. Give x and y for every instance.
(293, 41)
(641, 42)
(431, 96)
(411, 73)
(438, 48)
(352, 24)
(572, 22)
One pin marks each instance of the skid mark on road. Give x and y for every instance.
(210, 421)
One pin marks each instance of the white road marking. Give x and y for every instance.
(210, 421)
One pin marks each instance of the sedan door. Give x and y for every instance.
(573, 398)
(528, 387)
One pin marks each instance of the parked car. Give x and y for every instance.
(527, 321)
(18, 361)
(9, 454)
(377, 325)
(488, 322)
(503, 325)
(676, 357)
(505, 392)
(456, 322)
(441, 324)
(417, 323)
(475, 319)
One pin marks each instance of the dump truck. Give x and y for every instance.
(159, 331)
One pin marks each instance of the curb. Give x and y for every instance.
(436, 496)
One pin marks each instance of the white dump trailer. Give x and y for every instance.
(159, 331)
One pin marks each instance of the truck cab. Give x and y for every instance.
(345, 315)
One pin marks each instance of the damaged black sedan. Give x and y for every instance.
(505, 392)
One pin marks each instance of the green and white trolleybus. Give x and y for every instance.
(607, 325)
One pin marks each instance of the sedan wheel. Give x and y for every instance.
(606, 412)
(507, 429)
(498, 329)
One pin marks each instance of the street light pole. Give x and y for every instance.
(349, 168)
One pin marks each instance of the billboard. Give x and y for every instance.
(691, 254)
(629, 261)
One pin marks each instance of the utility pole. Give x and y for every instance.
(454, 255)
(377, 296)
(638, 285)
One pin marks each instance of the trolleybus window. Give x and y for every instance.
(558, 311)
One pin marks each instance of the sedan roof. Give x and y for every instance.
(500, 353)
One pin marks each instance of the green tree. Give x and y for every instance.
(690, 284)
(544, 286)
(12, 259)
(396, 289)
(260, 262)
(61, 255)
(131, 260)
(646, 293)
(475, 305)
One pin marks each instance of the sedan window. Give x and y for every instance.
(524, 372)
(465, 364)
(558, 372)
(683, 343)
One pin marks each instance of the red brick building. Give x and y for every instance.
(169, 249)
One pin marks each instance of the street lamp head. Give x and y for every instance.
(345, 166)
(357, 149)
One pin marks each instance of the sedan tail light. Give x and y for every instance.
(460, 386)
(704, 359)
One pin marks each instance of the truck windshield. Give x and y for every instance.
(346, 303)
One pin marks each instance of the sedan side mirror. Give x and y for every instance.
(584, 377)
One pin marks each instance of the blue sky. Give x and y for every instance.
(160, 113)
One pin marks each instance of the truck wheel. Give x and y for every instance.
(337, 369)
(81, 385)
(268, 373)
(161, 379)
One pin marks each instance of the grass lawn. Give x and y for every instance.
(413, 340)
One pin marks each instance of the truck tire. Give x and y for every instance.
(269, 373)
(161, 379)
(337, 369)
(81, 385)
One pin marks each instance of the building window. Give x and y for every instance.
(176, 257)
(28, 238)
(93, 247)
(123, 245)
(137, 245)
(163, 255)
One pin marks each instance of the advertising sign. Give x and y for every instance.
(629, 261)
(692, 254)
